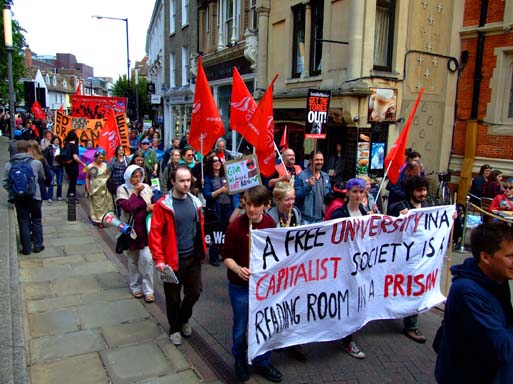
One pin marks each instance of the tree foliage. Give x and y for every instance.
(121, 88)
(18, 68)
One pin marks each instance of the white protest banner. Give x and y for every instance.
(324, 281)
(242, 173)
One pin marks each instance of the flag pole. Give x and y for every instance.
(281, 158)
(382, 181)
(201, 162)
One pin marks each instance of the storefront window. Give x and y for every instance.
(384, 35)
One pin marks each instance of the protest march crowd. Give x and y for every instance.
(186, 190)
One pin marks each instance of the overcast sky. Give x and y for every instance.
(66, 26)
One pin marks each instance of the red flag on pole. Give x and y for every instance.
(395, 157)
(206, 123)
(38, 111)
(61, 109)
(284, 142)
(263, 122)
(109, 137)
(242, 107)
(79, 88)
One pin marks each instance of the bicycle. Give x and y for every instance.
(443, 192)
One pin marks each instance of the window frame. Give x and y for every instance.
(172, 17)
(172, 70)
(316, 46)
(185, 66)
(390, 6)
(185, 13)
(298, 26)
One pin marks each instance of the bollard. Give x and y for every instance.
(72, 208)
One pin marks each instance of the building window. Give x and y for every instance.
(253, 17)
(228, 15)
(228, 20)
(499, 111)
(316, 44)
(172, 16)
(384, 35)
(172, 70)
(185, 12)
(185, 65)
(298, 45)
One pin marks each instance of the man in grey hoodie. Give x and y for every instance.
(28, 209)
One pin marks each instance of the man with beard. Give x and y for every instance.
(312, 185)
(416, 188)
(287, 170)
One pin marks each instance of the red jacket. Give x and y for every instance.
(162, 238)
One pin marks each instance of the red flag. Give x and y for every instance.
(109, 137)
(79, 88)
(284, 142)
(61, 109)
(206, 123)
(38, 111)
(242, 107)
(395, 157)
(263, 121)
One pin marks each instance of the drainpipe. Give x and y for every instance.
(471, 127)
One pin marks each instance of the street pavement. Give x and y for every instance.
(68, 317)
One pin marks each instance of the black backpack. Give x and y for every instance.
(22, 181)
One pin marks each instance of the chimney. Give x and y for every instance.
(28, 58)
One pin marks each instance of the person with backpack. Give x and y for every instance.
(22, 175)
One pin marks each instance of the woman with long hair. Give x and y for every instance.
(38, 155)
(117, 166)
(368, 200)
(134, 198)
(100, 201)
(174, 160)
(71, 167)
(478, 182)
(219, 204)
(492, 186)
(51, 155)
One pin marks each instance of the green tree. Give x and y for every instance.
(121, 88)
(18, 69)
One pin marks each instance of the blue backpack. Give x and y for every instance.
(22, 181)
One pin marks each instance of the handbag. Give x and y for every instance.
(111, 186)
(123, 241)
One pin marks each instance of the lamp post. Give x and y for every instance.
(127, 45)
(136, 70)
(8, 48)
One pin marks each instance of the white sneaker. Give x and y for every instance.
(59, 199)
(352, 350)
(176, 338)
(186, 330)
(49, 201)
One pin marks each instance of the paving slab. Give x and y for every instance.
(48, 348)
(75, 240)
(62, 260)
(52, 303)
(53, 322)
(109, 280)
(131, 333)
(48, 252)
(94, 256)
(185, 377)
(79, 249)
(36, 291)
(83, 369)
(136, 362)
(93, 268)
(45, 274)
(175, 357)
(106, 296)
(105, 314)
(75, 285)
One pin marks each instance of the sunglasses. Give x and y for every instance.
(145, 143)
(508, 187)
(216, 160)
(189, 155)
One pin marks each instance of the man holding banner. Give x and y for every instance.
(236, 257)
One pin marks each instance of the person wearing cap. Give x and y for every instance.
(478, 182)
(150, 157)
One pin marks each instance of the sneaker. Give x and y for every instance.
(49, 201)
(186, 330)
(415, 335)
(59, 199)
(176, 338)
(352, 350)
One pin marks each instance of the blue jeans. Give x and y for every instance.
(28, 212)
(57, 173)
(239, 297)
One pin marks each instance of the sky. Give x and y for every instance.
(66, 26)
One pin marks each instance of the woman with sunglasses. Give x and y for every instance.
(220, 204)
(504, 201)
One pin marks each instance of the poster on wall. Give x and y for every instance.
(377, 156)
(362, 158)
(382, 105)
(317, 106)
